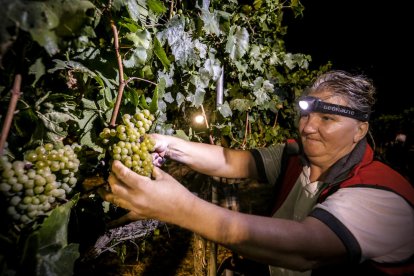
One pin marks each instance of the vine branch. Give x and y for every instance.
(15, 95)
(121, 75)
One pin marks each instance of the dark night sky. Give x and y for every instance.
(365, 36)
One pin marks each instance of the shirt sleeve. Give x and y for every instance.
(268, 162)
(379, 221)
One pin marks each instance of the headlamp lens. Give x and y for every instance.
(304, 105)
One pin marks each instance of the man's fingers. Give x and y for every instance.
(158, 160)
(157, 173)
(125, 175)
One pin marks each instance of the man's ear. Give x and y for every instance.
(361, 131)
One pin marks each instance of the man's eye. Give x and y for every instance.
(326, 118)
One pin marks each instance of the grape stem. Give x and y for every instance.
(15, 95)
(121, 75)
(122, 81)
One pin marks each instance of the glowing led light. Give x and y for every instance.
(199, 119)
(304, 105)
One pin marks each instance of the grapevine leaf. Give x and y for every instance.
(181, 134)
(132, 96)
(181, 44)
(137, 9)
(225, 109)
(153, 108)
(241, 104)
(257, 4)
(138, 57)
(168, 97)
(37, 69)
(161, 88)
(162, 106)
(88, 136)
(213, 66)
(202, 80)
(199, 97)
(56, 256)
(132, 26)
(59, 262)
(160, 53)
(156, 6)
(211, 24)
(261, 90)
(52, 120)
(180, 98)
(140, 38)
(86, 124)
(79, 67)
(143, 102)
(54, 230)
(237, 42)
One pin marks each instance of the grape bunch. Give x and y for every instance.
(129, 143)
(35, 185)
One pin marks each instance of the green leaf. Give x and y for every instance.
(180, 98)
(55, 256)
(137, 9)
(88, 123)
(257, 4)
(54, 230)
(133, 97)
(37, 69)
(181, 134)
(182, 46)
(52, 121)
(237, 42)
(211, 24)
(132, 26)
(168, 97)
(59, 262)
(140, 38)
(153, 108)
(225, 109)
(241, 104)
(160, 53)
(156, 6)
(143, 102)
(46, 250)
(138, 57)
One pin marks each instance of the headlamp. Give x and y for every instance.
(308, 104)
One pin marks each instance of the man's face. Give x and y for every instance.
(327, 137)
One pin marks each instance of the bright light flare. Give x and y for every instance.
(199, 119)
(304, 105)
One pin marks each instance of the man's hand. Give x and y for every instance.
(156, 198)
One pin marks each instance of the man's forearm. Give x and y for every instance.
(210, 159)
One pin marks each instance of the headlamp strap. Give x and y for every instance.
(316, 105)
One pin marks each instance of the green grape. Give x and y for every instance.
(129, 143)
(5, 187)
(33, 185)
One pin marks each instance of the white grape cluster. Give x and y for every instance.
(35, 185)
(129, 143)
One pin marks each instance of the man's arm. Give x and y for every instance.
(206, 158)
(295, 245)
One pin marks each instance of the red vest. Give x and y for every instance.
(368, 173)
